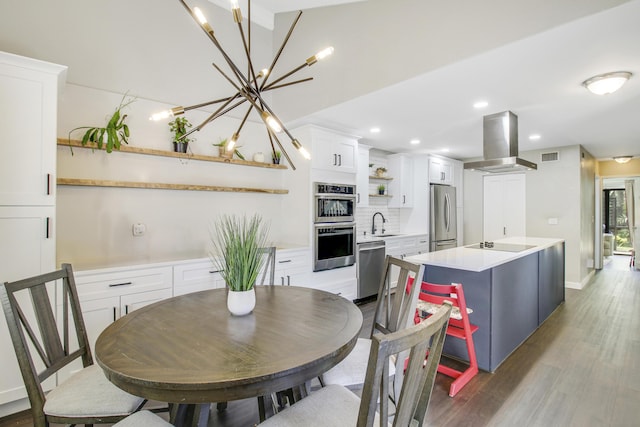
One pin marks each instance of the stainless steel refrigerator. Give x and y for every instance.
(442, 217)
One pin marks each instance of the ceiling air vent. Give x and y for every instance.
(553, 156)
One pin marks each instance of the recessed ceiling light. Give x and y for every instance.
(534, 137)
(374, 130)
(415, 141)
(445, 150)
(480, 104)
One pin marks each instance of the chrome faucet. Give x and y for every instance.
(373, 223)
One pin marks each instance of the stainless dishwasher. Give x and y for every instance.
(370, 262)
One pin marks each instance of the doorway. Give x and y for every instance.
(615, 221)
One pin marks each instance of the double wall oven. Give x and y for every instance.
(334, 231)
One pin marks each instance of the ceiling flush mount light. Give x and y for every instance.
(603, 84)
(622, 159)
(480, 104)
(534, 137)
(374, 130)
(248, 84)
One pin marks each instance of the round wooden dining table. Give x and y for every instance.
(190, 350)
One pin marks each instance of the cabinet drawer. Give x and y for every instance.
(196, 276)
(95, 284)
(289, 258)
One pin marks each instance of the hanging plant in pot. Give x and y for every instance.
(236, 252)
(179, 126)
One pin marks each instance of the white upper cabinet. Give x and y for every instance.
(504, 206)
(401, 188)
(362, 177)
(29, 102)
(440, 171)
(333, 151)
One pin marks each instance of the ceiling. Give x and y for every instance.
(538, 78)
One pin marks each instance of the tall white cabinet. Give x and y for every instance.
(504, 205)
(28, 104)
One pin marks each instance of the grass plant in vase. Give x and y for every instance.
(237, 244)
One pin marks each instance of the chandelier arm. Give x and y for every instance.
(270, 87)
(244, 119)
(250, 72)
(286, 155)
(295, 70)
(214, 40)
(273, 148)
(206, 104)
(284, 43)
(229, 79)
(214, 116)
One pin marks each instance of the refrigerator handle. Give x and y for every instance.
(446, 211)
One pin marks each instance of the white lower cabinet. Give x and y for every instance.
(339, 281)
(196, 275)
(106, 295)
(293, 267)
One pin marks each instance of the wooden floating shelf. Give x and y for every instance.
(160, 186)
(386, 178)
(153, 152)
(379, 195)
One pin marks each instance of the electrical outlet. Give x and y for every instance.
(139, 229)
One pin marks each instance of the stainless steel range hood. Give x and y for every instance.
(500, 146)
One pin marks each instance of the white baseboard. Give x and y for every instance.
(581, 284)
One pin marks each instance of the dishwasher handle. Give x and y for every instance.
(372, 248)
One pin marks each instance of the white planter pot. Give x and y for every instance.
(241, 303)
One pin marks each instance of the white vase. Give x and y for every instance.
(241, 303)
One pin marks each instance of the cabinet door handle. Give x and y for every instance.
(284, 261)
(126, 309)
(114, 314)
(288, 280)
(339, 159)
(504, 231)
(214, 271)
(282, 280)
(48, 184)
(47, 232)
(335, 160)
(115, 285)
(404, 199)
(358, 198)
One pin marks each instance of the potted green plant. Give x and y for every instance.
(180, 126)
(236, 252)
(222, 150)
(113, 135)
(380, 171)
(277, 155)
(381, 189)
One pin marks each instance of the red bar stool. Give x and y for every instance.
(431, 298)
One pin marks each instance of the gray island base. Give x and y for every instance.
(511, 293)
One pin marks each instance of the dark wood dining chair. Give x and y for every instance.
(269, 267)
(335, 405)
(394, 311)
(48, 337)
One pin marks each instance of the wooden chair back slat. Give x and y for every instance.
(269, 265)
(412, 404)
(395, 313)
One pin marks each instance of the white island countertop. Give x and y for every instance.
(466, 258)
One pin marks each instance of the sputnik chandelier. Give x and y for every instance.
(249, 86)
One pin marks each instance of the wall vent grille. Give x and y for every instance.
(553, 156)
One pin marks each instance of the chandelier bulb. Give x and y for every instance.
(320, 55)
(303, 151)
(235, 10)
(202, 20)
(176, 111)
(271, 122)
(232, 142)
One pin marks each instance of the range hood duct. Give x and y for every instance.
(500, 146)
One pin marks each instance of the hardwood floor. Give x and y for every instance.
(580, 368)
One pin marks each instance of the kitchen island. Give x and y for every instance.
(511, 287)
